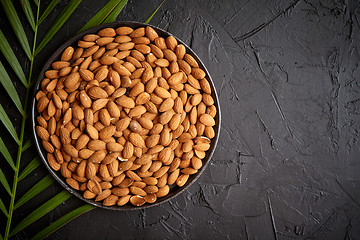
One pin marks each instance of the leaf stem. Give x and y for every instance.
(22, 131)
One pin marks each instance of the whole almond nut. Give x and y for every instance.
(42, 133)
(107, 132)
(137, 111)
(126, 102)
(151, 33)
(104, 40)
(107, 32)
(137, 140)
(73, 183)
(96, 93)
(82, 141)
(128, 150)
(97, 156)
(163, 191)
(137, 191)
(137, 201)
(71, 150)
(120, 191)
(110, 200)
(104, 194)
(124, 31)
(96, 145)
(171, 43)
(182, 180)
(207, 120)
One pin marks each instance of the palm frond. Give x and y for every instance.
(48, 10)
(4, 118)
(60, 20)
(16, 24)
(11, 58)
(3, 208)
(29, 168)
(101, 15)
(5, 152)
(26, 145)
(10, 88)
(62, 221)
(152, 15)
(113, 15)
(28, 12)
(37, 2)
(4, 182)
(37, 188)
(41, 211)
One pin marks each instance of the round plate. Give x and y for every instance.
(174, 191)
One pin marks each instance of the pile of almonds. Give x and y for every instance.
(125, 116)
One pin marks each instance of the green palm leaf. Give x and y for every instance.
(4, 182)
(152, 15)
(48, 10)
(28, 12)
(3, 208)
(7, 123)
(113, 15)
(29, 168)
(60, 20)
(41, 211)
(16, 24)
(101, 15)
(37, 188)
(11, 58)
(10, 89)
(62, 221)
(26, 145)
(5, 152)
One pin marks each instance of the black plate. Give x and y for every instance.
(174, 191)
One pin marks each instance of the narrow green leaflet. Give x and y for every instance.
(36, 189)
(3, 208)
(16, 25)
(152, 15)
(62, 221)
(41, 211)
(28, 12)
(26, 145)
(4, 182)
(10, 89)
(60, 20)
(113, 15)
(36, 2)
(11, 58)
(5, 152)
(29, 168)
(7, 123)
(101, 15)
(48, 10)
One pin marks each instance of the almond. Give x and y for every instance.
(207, 120)
(137, 140)
(151, 33)
(137, 201)
(107, 132)
(126, 102)
(96, 145)
(97, 92)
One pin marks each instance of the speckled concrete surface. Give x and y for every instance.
(288, 160)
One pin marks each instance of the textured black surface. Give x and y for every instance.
(287, 163)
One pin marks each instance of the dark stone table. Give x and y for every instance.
(287, 165)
